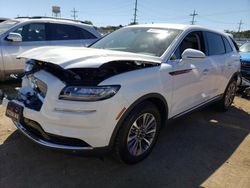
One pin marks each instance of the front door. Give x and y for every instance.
(191, 77)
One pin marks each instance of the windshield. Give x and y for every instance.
(6, 25)
(149, 41)
(245, 47)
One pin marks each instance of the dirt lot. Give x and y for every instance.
(204, 149)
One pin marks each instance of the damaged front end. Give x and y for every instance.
(81, 84)
(85, 76)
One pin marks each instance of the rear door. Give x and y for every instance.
(33, 35)
(222, 58)
(70, 35)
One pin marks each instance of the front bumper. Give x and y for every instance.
(91, 122)
(81, 147)
(46, 143)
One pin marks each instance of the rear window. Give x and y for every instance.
(235, 45)
(69, 32)
(227, 45)
(215, 44)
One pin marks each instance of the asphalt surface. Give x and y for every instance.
(204, 149)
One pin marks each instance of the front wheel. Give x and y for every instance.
(138, 134)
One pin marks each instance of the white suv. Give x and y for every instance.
(117, 93)
(21, 34)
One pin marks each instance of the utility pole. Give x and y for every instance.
(74, 11)
(193, 17)
(135, 13)
(240, 24)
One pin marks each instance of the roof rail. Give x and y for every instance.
(57, 18)
(22, 17)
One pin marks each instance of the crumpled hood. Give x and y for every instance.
(81, 57)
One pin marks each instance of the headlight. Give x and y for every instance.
(29, 65)
(82, 93)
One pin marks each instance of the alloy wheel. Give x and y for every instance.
(230, 94)
(141, 134)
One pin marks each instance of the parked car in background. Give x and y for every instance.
(244, 88)
(116, 94)
(240, 43)
(245, 60)
(21, 34)
(3, 19)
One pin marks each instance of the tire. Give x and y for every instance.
(225, 103)
(138, 134)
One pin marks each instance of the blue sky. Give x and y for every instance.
(217, 14)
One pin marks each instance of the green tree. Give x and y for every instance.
(242, 34)
(88, 22)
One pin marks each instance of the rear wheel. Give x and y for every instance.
(138, 134)
(227, 100)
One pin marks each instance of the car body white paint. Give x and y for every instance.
(94, 122)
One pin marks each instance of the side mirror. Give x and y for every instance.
(14, 37)
(192, 54)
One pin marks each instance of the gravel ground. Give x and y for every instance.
(203, 149)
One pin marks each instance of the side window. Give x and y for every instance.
(68, 32)
(62, 32)
(215, 44)
(19, 31)
(235, 44)
(85, 34)
(227, 45)
(32, 32)
(193, 40)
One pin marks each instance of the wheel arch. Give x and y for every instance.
(156, 98)
(236, 76)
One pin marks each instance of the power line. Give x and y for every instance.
(240, 24)
(193, 17)
(135, 13)
(74, 11)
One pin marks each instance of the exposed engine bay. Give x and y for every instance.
(89, 76)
